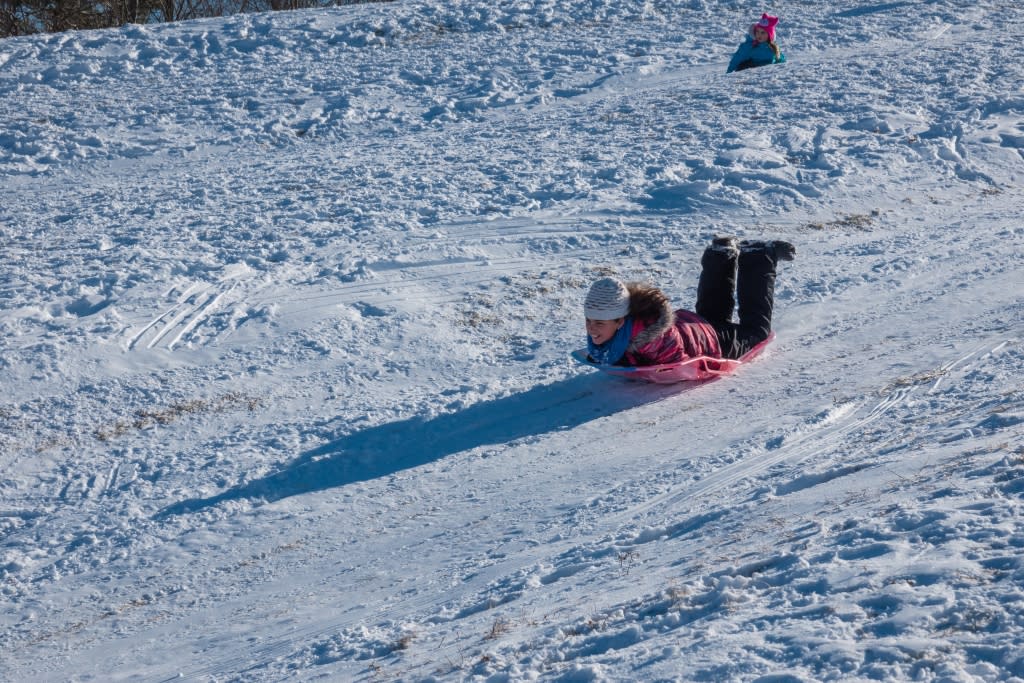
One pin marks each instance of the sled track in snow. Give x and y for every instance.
(175, 324)
(825, 431)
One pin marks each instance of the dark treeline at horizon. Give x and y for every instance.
(27, 17)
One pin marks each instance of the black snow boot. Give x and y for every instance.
(776, 250)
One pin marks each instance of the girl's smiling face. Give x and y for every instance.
(760, 35)
(601, 331)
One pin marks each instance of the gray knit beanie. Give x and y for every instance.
(608, 299)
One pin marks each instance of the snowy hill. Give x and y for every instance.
(285, 321)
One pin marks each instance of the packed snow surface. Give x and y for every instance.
(286, 309)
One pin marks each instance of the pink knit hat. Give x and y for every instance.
(768, 24)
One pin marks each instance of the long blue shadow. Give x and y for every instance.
(395, 446)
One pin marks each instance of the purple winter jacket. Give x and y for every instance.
(661, 335)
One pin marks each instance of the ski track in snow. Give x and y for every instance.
(286, 347)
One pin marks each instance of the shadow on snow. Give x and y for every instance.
(389, 448)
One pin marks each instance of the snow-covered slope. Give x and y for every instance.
(285, 320)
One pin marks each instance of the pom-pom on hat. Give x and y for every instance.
(608, 299)
(768, 24)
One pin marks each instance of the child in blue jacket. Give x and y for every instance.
(759, 48)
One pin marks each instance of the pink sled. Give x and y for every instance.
(700, 369)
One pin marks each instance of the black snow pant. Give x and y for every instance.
(746, 278)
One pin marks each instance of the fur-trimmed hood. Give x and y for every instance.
(660, 334)
(650, 306)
